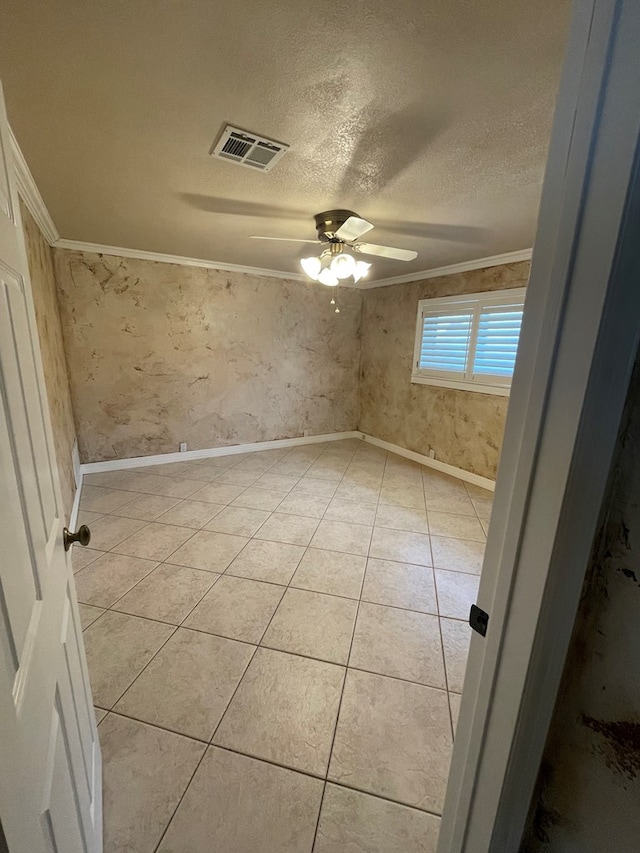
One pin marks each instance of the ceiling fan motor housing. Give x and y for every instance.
(327, 224)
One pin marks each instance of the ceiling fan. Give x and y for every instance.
(339, 230)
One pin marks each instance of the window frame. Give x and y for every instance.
(473, 303)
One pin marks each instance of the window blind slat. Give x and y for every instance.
(497, 341)
(445, 342)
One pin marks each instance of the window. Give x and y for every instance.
(469, 341)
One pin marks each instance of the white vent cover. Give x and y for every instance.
(248, 149)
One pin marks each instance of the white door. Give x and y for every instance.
(50, 767)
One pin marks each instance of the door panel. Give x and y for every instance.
(6, 206)
(18, 592)
(50, 784)
(60, 801)
(24, 407)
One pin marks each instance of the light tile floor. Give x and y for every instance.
(276, 644)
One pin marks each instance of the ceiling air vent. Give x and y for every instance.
(248, 149)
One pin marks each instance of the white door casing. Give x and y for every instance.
(578, 344)
(50, 778)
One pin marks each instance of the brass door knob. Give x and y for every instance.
(82, 535)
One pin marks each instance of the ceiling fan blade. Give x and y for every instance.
(284, 239)
(386, 252)
(353, 228)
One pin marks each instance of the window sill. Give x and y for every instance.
(462, 385)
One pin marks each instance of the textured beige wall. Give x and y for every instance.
(161, 353)
(463, 427)
(43, 286)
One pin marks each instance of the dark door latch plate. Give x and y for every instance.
(478, 619)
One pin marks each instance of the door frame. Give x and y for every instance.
(578, 344)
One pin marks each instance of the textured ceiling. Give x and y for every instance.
(429, 117)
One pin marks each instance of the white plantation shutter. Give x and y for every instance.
(469, 342)
(497, 341)
(445, 342)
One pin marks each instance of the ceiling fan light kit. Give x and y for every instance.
(339, 232)
(334, 265)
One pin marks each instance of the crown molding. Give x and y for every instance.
(160, 257)
(30, 193)
(452, 269)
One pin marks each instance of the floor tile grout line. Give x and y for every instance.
(270, 762)
(315, 548)
(444, 657)
(155, 494)
(187, 497)
(228, 703)
(306, 547)
(208, 746)
(163, 563)
(258, 645)
(175, 628)
(231, 698)
(182, 625)
(166, 561)
(344, 680)
(162, 727)
(345, 666)
(307, 473)
(113, 607)
(288, 585)
(144, 527)
(187, 786)
(383, 798)
(153, 657)
(444, 662)
(126, 592)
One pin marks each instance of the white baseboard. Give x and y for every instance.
(73, 518)
(444, 467)
(75, 461)
(229, 450)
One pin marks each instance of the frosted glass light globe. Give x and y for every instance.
(311, 266)
(327, 277)
(343, 265)
(362, 268)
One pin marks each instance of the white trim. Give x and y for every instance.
(428, 462)
(579, 342)
(209, 452)
(461, 385)
(73, 517)
(256, 446)
(30, 193)
(75, 462)
(452, 269)
(160, 257)
(512, 294)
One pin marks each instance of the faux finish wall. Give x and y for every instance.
(463, 427)
(588, 796)
(43, 286)
(161, 353)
